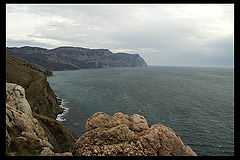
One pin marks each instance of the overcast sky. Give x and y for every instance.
(163, 34)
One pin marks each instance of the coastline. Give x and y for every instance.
(62, 104)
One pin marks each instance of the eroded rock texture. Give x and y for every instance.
(25, 135)
(21, 126)
(123, 135)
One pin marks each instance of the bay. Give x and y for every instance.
(197, 103)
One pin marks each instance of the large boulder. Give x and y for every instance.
(123, 135)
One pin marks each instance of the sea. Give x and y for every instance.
(196, 102)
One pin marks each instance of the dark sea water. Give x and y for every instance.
(197, 103)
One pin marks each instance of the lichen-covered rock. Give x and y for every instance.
(8, 140)
(100, 119)
(48, 152)
(22, 130)
(140, 123)
(134, 122)
(15, 97)
(123, 135)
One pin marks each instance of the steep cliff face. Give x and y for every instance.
(69, 58)
(123, 135)
(127, 60)
(38, 92)
(42, 101)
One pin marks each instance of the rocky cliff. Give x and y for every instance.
(24, 133)
(69, 58)
(123, 135)
(42, 101)
(38, 92)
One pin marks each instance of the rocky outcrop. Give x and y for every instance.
(39, 94)
(21, 126)
(123, 135)
(43, 103)
(24, 133)
(70, 58)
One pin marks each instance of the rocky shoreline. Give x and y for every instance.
(32, 129)
(61, 103)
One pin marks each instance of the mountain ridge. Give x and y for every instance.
(71, 58)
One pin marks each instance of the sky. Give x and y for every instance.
(163, 34)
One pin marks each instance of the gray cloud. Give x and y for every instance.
(162, 35)
(18, 43)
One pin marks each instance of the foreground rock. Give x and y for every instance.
(48, 152)
(21, 127)
(24, 133)
(123, 135)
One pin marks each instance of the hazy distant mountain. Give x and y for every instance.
(68, 58)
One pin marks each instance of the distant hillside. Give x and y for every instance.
(69, 58)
